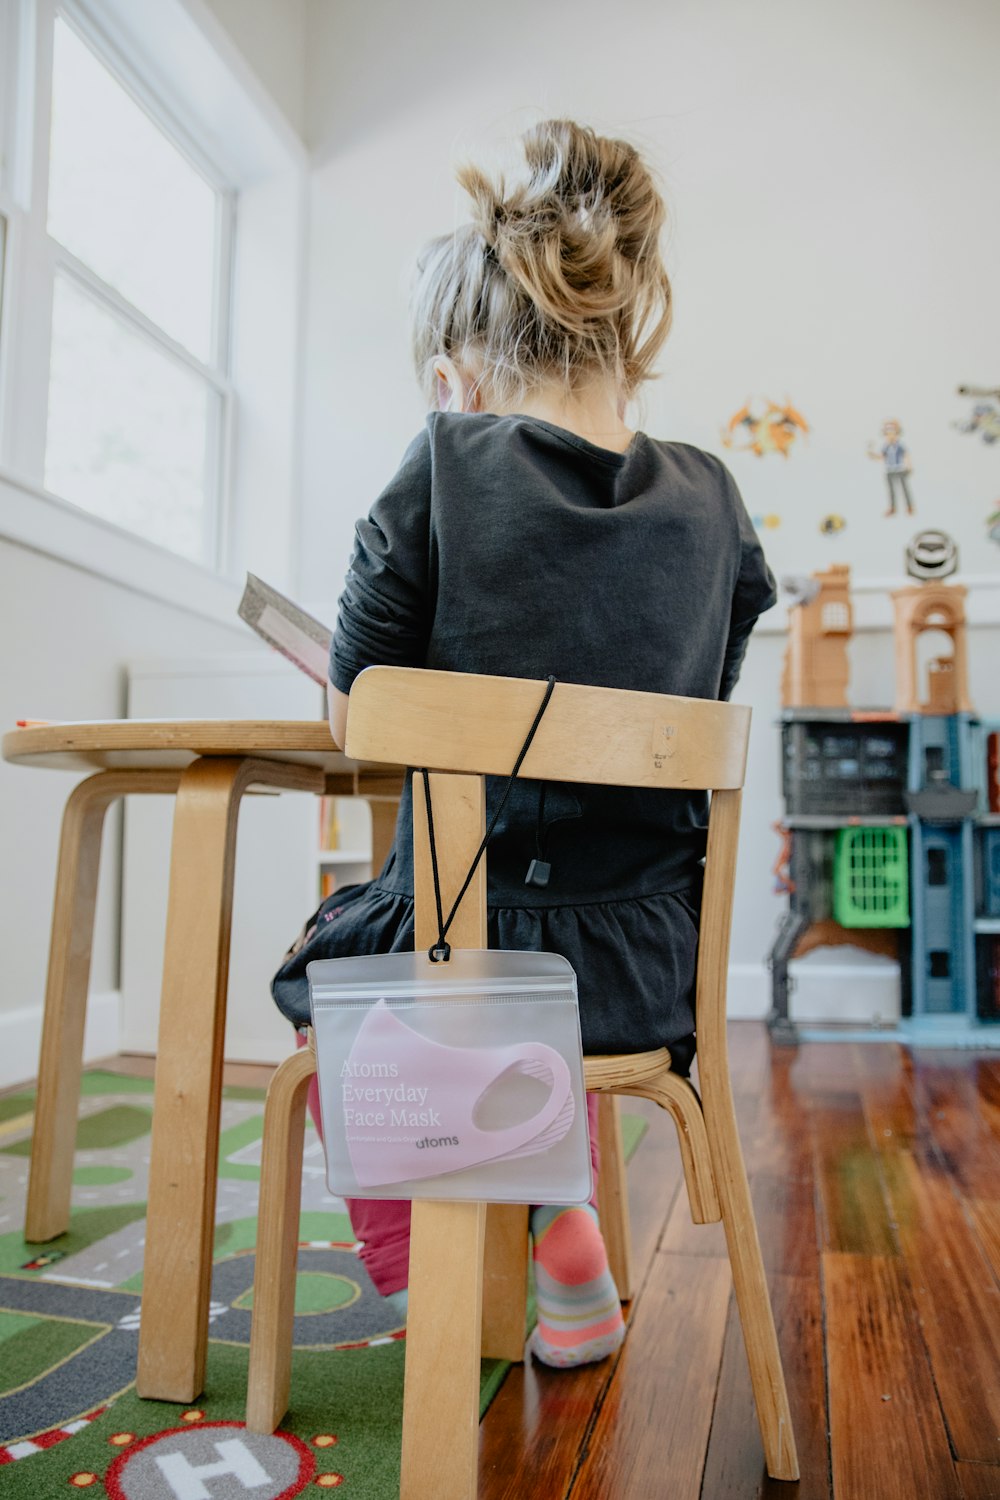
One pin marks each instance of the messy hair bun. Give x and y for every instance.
(559, 277)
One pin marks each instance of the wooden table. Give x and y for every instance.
(208, 765)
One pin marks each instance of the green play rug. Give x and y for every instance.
(69, 1316)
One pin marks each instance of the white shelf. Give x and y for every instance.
(986, 924)
(344, 857)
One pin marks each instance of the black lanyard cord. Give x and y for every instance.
(440, 951)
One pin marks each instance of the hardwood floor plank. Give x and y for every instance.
(749, 1058)
(959, 1305)
(652, 1430)
(887, 1435)
(542, 1417)
(985, 1217)
(986, 1082)
(979, 1481)
(684, 1237)
(824, 1067)
(854, 1212)
(784, 1206)
(956, 1292)
(947, 1094)
(656, 1182)
(532, 1436)
(734, 1466)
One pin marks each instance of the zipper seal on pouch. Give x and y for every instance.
(513, 991)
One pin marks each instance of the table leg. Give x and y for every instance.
(61, 1057)
(173, 1333)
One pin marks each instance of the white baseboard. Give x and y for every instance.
(21, 1033)
(749, 997)
(852, 986)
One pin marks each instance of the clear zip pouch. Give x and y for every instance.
(454, 1080)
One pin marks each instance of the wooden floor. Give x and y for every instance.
(876, 1180)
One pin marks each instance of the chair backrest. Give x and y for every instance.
(452, 721)
(470, 727)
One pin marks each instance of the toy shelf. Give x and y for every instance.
(833, 821)
(853, 777)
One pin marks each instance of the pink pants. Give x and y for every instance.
(383, 1224)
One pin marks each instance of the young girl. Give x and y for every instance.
(530, 533)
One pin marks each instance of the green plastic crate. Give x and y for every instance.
(871, 878)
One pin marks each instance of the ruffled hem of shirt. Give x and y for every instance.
(634, 958)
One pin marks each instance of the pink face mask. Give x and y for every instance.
(409, 1103)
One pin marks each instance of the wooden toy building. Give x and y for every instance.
(891, 832)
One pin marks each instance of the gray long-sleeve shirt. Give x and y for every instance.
(507, 546)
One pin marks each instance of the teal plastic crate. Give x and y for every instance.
(871, 886)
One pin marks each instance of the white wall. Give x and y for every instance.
(271, 34)
(827, 168)
(833, 231)
(67, 635)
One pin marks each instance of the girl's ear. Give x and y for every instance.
(453, 392)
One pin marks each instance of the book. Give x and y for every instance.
(300, 637)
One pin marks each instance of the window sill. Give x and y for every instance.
(32, 517)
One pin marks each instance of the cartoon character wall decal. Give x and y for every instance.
(984, 417)
(764, 427)
(898, 465)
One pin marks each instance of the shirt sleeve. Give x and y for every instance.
(755, 591)
(385, 612)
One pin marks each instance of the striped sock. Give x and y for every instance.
(579, 1315)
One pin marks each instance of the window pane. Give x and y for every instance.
(129, 429)
(124, 199)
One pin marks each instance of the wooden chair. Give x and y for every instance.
(468, 1264)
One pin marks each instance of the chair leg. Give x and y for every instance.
(678, 1096)
(612, 1195)
(443, 1342)
(648, 1076)
(270, 1371)
(750, 1284)
(505, 1281)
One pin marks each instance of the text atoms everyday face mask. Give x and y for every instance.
(452, 1080)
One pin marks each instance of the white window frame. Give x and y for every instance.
(183, 70)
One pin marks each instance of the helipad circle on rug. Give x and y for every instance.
(220, 1457)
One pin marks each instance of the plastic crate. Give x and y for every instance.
(988, 978)
(988, 893)
(944, 959)
(871, 878)
(854, 769)
(942, 752)
(811, 869)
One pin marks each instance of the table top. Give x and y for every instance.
(174, 744)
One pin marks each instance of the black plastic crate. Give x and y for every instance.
(988, 977)
(811, 870)
(853, 769)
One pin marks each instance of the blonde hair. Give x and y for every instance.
(559, 278)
